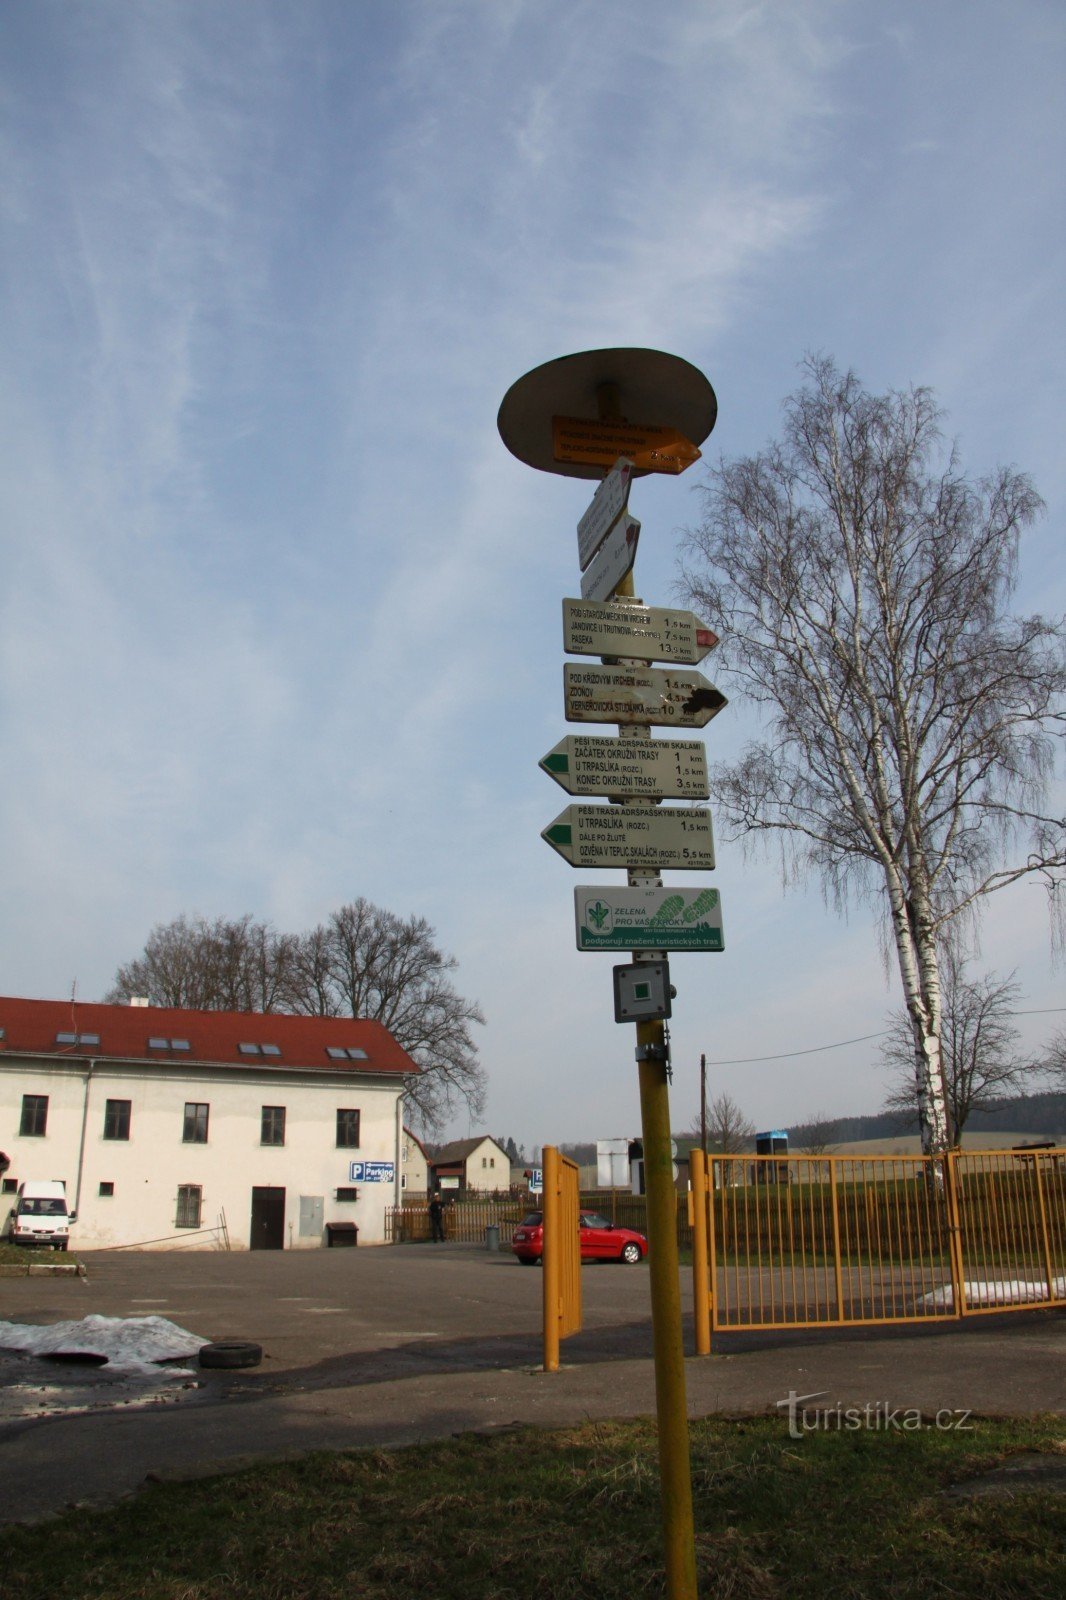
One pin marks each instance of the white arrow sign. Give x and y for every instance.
(586, 763)
(616, 557)
(659, 837)
(608, 503)
(645, 695)
(626, 628)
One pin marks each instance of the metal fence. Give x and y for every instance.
(830, 1240)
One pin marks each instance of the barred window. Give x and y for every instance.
(189, 1198)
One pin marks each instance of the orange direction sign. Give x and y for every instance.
(658, 837)
(588, 443)
(647, 695)
(644, 633)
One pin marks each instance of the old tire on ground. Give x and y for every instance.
(231, 1353)
(631, 1254)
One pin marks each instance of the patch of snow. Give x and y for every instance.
(999, 1292)
(128, 1344)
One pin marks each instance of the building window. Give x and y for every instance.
(117, 1119)
(273, 1125)
(9, 1186)
(189, 1197)
(347, 1130)
(106, 1190)
(195, 1130)
(34, 1116)
(347, 1194)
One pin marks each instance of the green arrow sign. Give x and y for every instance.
(659, 837)
(651, 769)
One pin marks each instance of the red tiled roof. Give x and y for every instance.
(215, 1036)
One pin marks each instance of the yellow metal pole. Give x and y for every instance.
(674, 1466)
(550, 1258)
(701, 1295)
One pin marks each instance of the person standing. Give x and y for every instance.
(436, 1219)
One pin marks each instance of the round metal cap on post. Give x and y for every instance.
(647, 391)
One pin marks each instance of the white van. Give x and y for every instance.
(40, 1215)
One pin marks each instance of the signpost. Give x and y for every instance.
(639, 632)
(655, 837)
(651, 769)
(608, 503)
(599, 444)
(648, 918)
(614, 560)
(649, 696)
(554, 403)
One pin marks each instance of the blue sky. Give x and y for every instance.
(279, 615)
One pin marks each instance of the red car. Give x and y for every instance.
(600, 1240)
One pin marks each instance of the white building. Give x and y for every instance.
(203, 1128)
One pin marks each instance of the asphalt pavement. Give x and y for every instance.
(393, 1346)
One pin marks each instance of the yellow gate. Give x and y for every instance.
(562, 1253)
(835, 1240)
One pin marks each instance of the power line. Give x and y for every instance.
(792, 1055)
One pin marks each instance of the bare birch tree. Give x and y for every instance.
(861, 582)
(978, 1044)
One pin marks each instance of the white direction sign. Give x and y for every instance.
(647, 917)
(616, 557)
(658, 837)
(645, 633)
(586, 763)
(651, 696)
(608, 503)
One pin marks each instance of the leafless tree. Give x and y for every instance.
(223, 965)
(729, 1131)
(978, 1040)
(367, 962)
(861, 584)
(364, 962)
(1052, 1062)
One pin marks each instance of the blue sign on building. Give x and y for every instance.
(371, 1171)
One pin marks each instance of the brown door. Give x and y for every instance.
(268, 1219)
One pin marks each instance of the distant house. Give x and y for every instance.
(208, 1128)
(471, 1165)
(414, 1177)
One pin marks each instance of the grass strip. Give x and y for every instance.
(574, 1514)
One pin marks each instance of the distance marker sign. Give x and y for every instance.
(645, 633)
(648, 918)
(658, 837)
(647, 695)
(587, 763)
